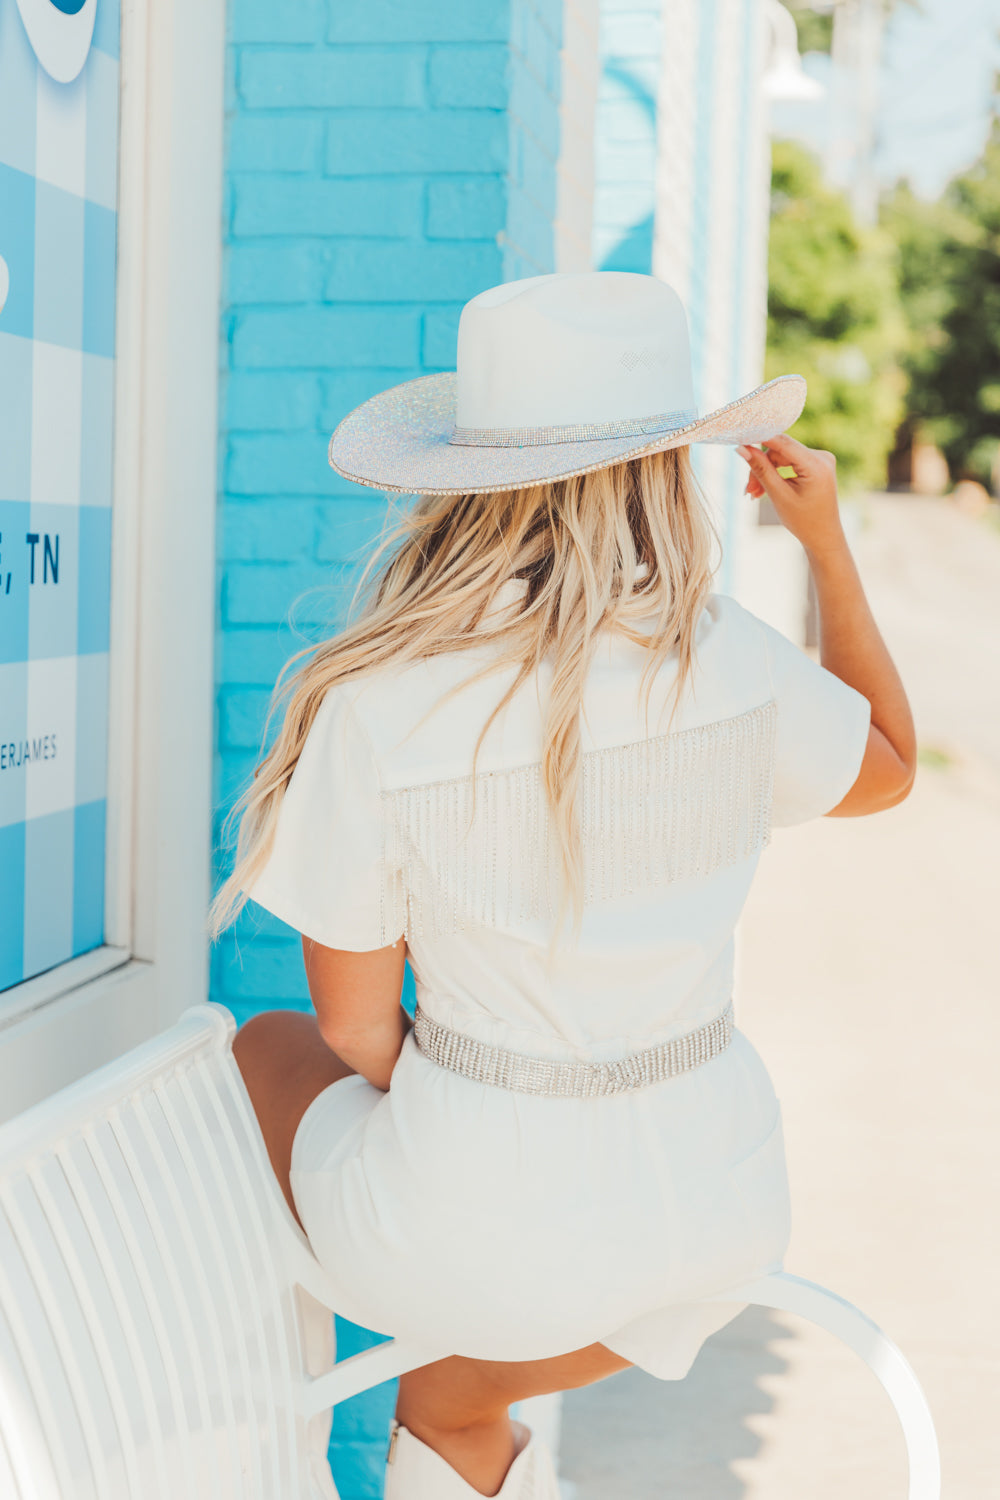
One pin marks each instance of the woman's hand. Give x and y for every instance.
(806, 504)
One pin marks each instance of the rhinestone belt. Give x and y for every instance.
(576, 1079)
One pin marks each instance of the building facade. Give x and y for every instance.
(326, 182)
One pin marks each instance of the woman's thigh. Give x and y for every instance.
(459, 1392)
(285, 1064)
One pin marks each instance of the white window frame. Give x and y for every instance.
(154, 959)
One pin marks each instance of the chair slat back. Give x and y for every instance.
(151, 1332)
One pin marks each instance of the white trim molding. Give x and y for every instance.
(580, 68)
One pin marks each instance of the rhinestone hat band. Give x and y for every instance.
(574, 432)
(578, 1080)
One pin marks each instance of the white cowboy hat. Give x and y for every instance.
(557, 375)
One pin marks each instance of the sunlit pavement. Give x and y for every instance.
(869, 979)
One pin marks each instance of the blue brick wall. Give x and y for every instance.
(387, 160)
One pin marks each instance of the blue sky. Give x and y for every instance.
(939, 60)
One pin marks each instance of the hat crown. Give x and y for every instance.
(568, 349)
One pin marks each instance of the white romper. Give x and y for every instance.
(477, 1220)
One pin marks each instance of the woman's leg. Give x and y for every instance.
(459, 1407)
(285, 1063)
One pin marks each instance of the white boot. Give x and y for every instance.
(415, 1472)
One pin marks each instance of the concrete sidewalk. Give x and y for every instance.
(869, 979)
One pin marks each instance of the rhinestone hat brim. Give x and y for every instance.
(573, 1079)
(400, 440)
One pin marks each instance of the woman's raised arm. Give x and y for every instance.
(851, 646)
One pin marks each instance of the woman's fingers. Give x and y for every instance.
(807, 462)
(782, 443)
(765, 472)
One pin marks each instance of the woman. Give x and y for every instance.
(572, 1144)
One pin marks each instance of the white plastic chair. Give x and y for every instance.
(164, 1329)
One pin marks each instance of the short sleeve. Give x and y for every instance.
(822, 732)
(326, 874)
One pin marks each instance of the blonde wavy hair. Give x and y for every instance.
(579, 543)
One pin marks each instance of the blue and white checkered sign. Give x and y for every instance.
(58, 170)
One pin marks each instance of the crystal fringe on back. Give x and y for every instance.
(671, 807)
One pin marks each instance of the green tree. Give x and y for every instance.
(949, 277)
(815, 31)
(834, 316)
